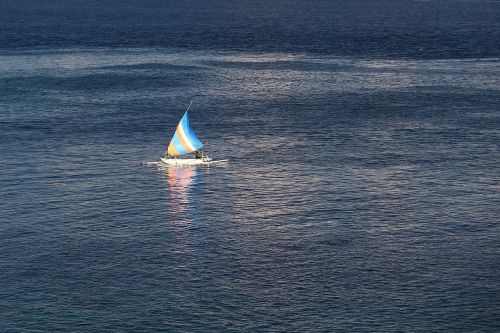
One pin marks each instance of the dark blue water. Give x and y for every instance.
(381, 28)
(362, 192)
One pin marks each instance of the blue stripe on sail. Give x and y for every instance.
(190, 135)
(177, 145)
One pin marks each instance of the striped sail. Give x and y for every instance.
(184, 140)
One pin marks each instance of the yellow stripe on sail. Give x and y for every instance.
(171, 150)
(184, 139)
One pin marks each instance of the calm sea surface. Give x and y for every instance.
(362, 192)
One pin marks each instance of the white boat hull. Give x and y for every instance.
(189, 161)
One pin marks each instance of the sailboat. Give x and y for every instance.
(185, 141)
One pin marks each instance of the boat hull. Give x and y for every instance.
(189, 161)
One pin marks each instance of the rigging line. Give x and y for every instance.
(189, 106)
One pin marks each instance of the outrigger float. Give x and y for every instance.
(185, 142)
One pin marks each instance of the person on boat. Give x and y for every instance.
(198, 154)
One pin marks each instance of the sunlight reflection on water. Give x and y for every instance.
(352, 184)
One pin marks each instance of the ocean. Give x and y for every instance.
(361, 193)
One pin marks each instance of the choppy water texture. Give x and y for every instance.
(362, 193)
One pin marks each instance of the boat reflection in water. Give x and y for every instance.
(180, 200)
(180, 180)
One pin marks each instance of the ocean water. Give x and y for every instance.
(362, 192)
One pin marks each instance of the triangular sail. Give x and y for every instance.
(184, 140)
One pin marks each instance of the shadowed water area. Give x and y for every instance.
(362, 192)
